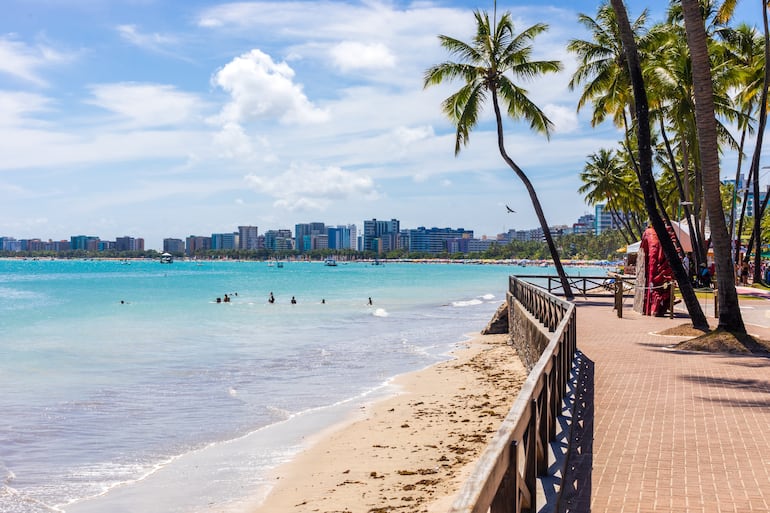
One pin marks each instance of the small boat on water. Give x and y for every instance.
(330, 262)
(166, 258)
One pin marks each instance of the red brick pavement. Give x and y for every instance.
(672, 431)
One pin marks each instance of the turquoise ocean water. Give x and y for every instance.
(126, 387)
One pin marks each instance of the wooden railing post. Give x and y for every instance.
(672, 300)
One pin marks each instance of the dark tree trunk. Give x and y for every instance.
(645, 163)
(758, 151)
(729, 311)
(535, 202)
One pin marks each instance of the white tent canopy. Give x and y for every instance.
(682, 232)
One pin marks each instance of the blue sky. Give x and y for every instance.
(161, 118)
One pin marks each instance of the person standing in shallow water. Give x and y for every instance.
(271, 299)
(370, 301)
(293, 301)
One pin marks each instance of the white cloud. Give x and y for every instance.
(25, 62)
(407, 135)
(147, 105)
(351, 55)
(233, 142)
(150, 41)
(311, 187)
(16, 106)
(262, 89)
(564, 119)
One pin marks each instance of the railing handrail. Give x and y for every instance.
(586, 286)
(505, 477)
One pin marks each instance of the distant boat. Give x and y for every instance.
(166, 258)
(330, 262)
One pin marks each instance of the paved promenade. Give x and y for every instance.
(668, 430)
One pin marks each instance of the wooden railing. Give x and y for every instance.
(505, 478)
(586, 286)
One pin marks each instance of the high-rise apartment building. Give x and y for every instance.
(342, 237)
(248, 237)
(278, 240)
(196, 243)
(433, 240)
(585, 224)
(381, 236)
(304, 234)
(85, 242)
(129, 244)
(603, 219)
(173, 246)
(224, 240)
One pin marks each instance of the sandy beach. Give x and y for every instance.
(410, 452)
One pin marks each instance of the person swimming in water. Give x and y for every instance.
(271, 299)
(293, 301)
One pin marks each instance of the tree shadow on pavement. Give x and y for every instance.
(576, 483)
(750, 385)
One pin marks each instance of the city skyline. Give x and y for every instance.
(151, 117)
(358, 230)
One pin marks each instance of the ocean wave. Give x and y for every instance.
(470, 302)
(380, 312)
(12, 501)
(488, 297)
(279, 413)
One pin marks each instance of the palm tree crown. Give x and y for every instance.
(484, 65)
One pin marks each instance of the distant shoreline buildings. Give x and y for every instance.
(378, 236)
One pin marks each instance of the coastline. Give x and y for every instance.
(411, 451)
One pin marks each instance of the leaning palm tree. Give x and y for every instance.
(484, 65)
(729, 311)
(646, 178)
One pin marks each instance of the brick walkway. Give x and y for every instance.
(668, 430)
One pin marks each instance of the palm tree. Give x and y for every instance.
(668, 74)
(602, 67)
(647, 179)
(606, 179)
(724, 14)
(483, 65)
(729, 312)
(745, 49)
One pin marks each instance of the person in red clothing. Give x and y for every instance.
(659, 275)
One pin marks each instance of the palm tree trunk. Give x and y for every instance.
(645, 161)
(735, 189)
(695, 243)
(535, 202)
(729, 311)
(621, 221)
(758, 151)
(762, 212)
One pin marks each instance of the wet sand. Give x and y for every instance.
(410, 452)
